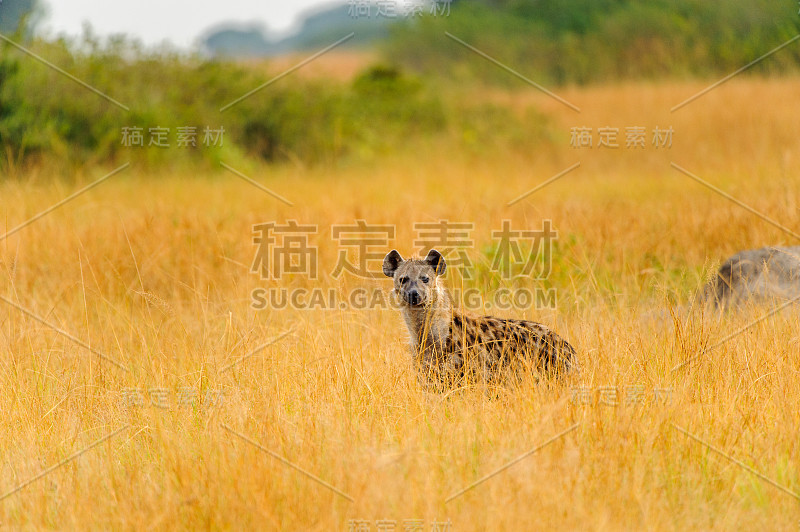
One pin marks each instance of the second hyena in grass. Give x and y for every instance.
(452, 346)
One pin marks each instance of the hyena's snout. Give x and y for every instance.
(413, 295)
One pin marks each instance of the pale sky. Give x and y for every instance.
(178, 21)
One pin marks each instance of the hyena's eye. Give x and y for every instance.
(403, 280)
(424, 280)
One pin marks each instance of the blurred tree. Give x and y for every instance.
(582, 41)
(19, 15)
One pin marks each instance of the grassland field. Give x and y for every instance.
(150, 274)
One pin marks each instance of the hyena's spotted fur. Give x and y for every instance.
(451, 345)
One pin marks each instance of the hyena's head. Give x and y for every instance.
(415, 279)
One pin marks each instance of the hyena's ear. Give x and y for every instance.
(391, 262)
(436, 261)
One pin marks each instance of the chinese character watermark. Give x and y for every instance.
(291, 249)
(284, 249)
(165, 399)
(370, 242)
(185, 137)
(607, 137)
(397, 9)
(405, 525)
(510, 252)
(449, 238)
(634, 395)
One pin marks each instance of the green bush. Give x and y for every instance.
(45, 114)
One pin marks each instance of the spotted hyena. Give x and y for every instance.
(756, 276)
(450, 345)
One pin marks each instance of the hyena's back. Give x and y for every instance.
(766, 275)
(510, 343)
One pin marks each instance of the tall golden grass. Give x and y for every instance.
(153, 271)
